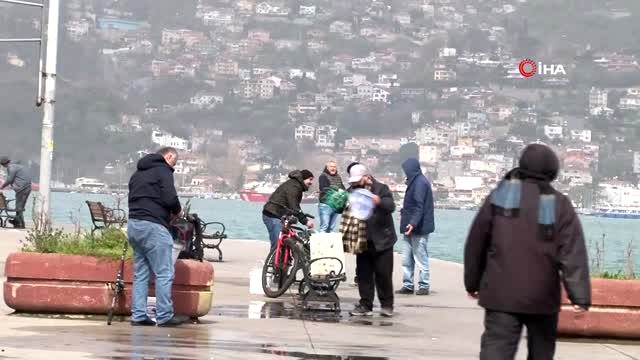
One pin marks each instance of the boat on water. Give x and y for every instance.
(260, 192)
(617, 212)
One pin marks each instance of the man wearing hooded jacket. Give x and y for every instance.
(416, 223)
(287, 196)
(525, 240)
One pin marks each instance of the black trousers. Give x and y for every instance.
(375, 272)
(502, 332)
(21, 202)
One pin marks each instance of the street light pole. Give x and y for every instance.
(49, 75)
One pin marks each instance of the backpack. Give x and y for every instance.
(187, 232)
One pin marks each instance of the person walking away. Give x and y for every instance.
(287, 196)
(153, 202)
(372, 241)
(19, 178)
(525, 240)
(416, 223)
(329, 180)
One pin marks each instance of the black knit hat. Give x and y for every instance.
(4, 160)
(306, 174)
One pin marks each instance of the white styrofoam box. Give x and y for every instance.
(327, 245)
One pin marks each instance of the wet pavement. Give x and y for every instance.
(444, 325)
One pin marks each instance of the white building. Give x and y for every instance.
(461, 150)
(620, 195)
(444, 75)
(581, 135)
(305, 132)
(430, 135)
(307, 10)
(166, 139)
(325, 136)
(553, 132)
(630, 103)
(380, 95)
(468, 182)
(204, 100)
(636, 162)
(77, 30)
(597, 98)
(429, 154)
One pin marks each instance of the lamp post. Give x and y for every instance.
(48, 101)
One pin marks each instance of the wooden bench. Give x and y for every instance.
(6, 213)
(103, 217)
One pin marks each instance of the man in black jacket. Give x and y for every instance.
(524, 241)
(374, 266)
(153, 202)
(287, 196)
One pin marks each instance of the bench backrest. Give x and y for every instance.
(97, 211)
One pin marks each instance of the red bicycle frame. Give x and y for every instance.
(285, 232)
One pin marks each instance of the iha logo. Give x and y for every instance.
(528, 68)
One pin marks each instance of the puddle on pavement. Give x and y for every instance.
(184, 343)
(281, 310)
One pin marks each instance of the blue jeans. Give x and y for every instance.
(414, 250)
(273, 227)
(152, 245)
(328, 218)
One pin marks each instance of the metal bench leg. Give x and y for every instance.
(219, 253)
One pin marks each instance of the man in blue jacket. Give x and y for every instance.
(416, 223)
(153, 201)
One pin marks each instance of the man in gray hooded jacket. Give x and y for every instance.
(19, 177)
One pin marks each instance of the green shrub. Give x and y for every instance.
(109, 243)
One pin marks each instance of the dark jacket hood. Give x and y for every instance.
(297, 175)
(411, 168)
(152, 161)
(539, 162)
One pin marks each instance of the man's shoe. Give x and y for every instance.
(145, 322)
(422, 292)
(176, 320)
(386, 312)
(405, 291)
(360, 310)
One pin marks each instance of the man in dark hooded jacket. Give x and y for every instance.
(416, 223)
(287, 196)
(524, 241)
(328, 179)
(152, 202)
(19, 178)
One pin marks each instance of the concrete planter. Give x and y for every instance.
(71, 284)
(615, 312)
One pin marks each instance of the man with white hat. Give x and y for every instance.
(374, 256)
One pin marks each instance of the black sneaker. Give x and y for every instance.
(176, 320)
(422, 292)
(145, 322)
(405, 291)
(360, 310)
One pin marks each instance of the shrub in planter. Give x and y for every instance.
(58, 272)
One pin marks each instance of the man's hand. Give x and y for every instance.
(408, 230)
(473, 295)
(376, 199)
(310, 224)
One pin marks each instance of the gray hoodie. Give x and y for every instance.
(18, 176)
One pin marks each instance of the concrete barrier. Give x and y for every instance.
(72, 284)
(615, 312)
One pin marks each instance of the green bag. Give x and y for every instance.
(335, 198)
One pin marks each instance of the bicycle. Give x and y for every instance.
(281, 265)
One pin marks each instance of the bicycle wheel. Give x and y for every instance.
(276, 281)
